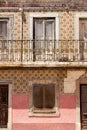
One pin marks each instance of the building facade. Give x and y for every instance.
(43, 65)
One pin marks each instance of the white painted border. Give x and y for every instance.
(41, 15)
(5, 16)
(43, 81)
(10, 85)
(77, 16)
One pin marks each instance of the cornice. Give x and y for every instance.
(45, 6)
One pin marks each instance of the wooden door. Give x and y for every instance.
(83, 104)
(83, 38)
(3, 106)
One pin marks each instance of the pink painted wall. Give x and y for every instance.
(66, 120)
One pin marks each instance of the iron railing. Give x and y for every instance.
(27, 51)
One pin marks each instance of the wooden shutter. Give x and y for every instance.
(84, 98)
(3, 106)
(50, 96)
(38, 96)
(44, 96)
(4, 92)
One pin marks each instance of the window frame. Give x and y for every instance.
(43, 109)
(44, 21)
(54, 15)
(51, 112)
(4, 20)
(33, 15)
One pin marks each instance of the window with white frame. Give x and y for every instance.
(44, 31)
(43, 98)
(44, 35)
(44, 28)
(49, 18)
(3, 28)
(6, 31)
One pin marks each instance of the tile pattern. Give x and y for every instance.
(66, 25)
(22, 77)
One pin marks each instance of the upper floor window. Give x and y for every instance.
(6, 28)
(6, 31)
(48, 24)
(44, 35)
(3, 28)
(44, 28)
(44, 31)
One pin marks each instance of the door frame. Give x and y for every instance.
(10, 85)
(78, 108)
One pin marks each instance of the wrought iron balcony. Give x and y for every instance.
(26, 52)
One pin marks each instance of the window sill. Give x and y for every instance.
(44, 113)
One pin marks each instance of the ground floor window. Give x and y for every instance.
(44, 97)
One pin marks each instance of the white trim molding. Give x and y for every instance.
(10, 85)
(43, 82)
(42, 15)
(77, 16)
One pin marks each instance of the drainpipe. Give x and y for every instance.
(22, 13)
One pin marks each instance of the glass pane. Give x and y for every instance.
(3, 28)
(49, 26)
(49, 29)
(39, 35)
(50, 96)
(39, 29)
(38, 96)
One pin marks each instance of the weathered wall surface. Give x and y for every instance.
(70, 81)
(66, 78)
(65, 121)
(43, 1)
(20, 97)
(66, 24)
(21, 77)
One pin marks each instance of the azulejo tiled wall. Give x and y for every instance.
(66, 25)
(21, 77)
